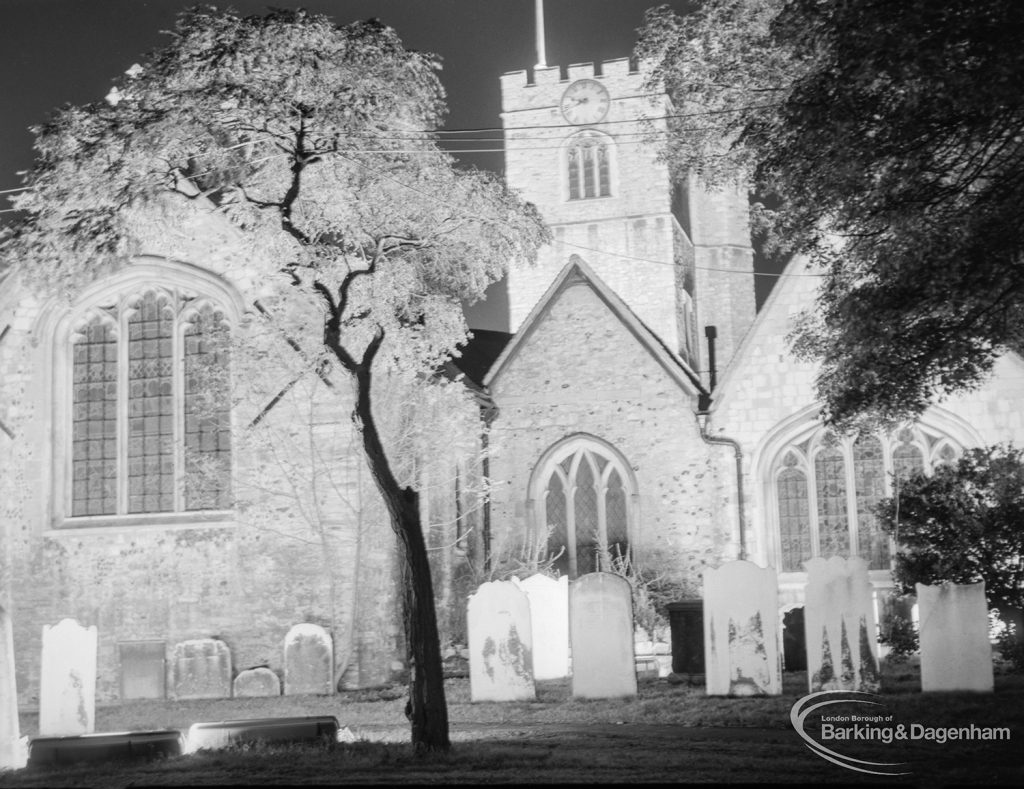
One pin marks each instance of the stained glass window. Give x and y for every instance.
(94, 420)
(869, 482)
(846, 476)
(207, 412)
(139, 425)
(833, 523)
(907, 459)
(557, 523)
(794, 516)
(585, 503)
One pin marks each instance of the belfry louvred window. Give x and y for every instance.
(588, 165)
(150, 423)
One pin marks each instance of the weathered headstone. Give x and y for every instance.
(500, 644)
(686, 620)
(143, 669)
(794, 640)
(839, 619)
(201, 669)
(67, 680)
(308, 661)
(549, 624)
(601, 637)
(260, 681)
(9, 748)
(955, 651)
(741, 635)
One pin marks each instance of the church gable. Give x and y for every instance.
(581, 342)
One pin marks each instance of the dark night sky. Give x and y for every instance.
(56, 52)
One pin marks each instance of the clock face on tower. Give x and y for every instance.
(585, 101)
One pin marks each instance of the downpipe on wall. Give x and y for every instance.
(702, 415)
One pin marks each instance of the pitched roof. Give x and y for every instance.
(577, 271)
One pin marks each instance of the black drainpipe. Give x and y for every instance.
(488, 414)
(703, 406)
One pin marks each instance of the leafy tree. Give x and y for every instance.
(962, 524)
(309, 139)
(890, 138)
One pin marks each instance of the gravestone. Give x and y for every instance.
(201, 669)
(794, 640)
(308, 661)
(549, 624)
(839, 623)
(500, 643)
(260, 681)
(686, 620)
(67, 680)
(601, 637)
(143, 669)
(955, 650)
(741, 636)
(9, 747)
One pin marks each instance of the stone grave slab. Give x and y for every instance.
(500, 643)
(257, 682)
(9, 747)
(308, 661)
(549, 624)
(741, 633)
(839, 620)
(67, 680)
(601, 637)
(955, 650)
(201, 669)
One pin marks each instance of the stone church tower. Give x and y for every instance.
(584, 150)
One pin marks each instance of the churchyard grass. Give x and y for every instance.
(669, 732)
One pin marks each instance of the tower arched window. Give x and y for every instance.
(149, 425)
(825, 490)
(588, 166)
(583, 491)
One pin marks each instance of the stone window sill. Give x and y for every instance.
(105, 524)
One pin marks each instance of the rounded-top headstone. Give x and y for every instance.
(601, 634)
(500, 643)
(308, 660)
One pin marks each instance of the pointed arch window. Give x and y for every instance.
(150, 428)
(585, 493)
(588, 163)
(794, 515)
(826, 488)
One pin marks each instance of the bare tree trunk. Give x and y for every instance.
(427, 708)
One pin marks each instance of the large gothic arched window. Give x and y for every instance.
(588, 166)
(582, 491)
(149, 423)
(825, 489)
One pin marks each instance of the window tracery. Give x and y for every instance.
(825, 489)
(149, 428)
(584, 492)
(588, 163)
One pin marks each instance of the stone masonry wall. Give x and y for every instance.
(767, 388)
(246, 579)
(582, 371)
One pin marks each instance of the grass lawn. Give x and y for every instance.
(668, 733)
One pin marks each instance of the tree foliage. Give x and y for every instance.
(313, 142)
(891, 136)
(962, 524)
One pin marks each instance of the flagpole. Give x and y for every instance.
(538, 13)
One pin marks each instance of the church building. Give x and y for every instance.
(641, 407)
